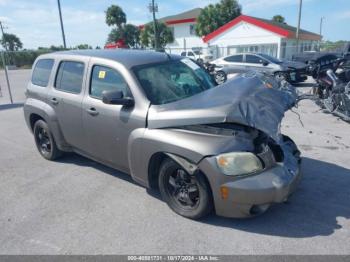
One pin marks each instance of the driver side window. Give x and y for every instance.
(106, 79)
(253, 59)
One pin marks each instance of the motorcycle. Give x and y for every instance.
(334, 91)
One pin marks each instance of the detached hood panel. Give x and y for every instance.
(246, 100)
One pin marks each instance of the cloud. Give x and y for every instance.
(253, 5)
(343, 15)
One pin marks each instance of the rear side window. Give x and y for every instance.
(41, 72)
(183, 54)
(70, 77)
(234, 58)
(107, 79)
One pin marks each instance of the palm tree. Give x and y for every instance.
(278, 19)
(115, 16)
(11, 42)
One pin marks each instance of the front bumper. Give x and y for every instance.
(252, 195)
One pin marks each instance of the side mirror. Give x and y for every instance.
(117, 98)
(265, 63)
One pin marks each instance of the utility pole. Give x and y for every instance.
(61, 21)
(4, 64)
(298, 28)
(153, 8)
(321, 23)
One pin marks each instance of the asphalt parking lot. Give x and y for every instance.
(76, 206)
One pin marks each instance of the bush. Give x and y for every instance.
(21, 59)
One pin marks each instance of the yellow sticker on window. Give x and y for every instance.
(101, 74)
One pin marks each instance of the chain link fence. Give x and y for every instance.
(19, 63)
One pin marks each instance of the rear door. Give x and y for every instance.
(66, 97)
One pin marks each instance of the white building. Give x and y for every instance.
(183, 27)
(242, 34)
(251, 34)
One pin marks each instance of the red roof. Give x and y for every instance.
(275, 27)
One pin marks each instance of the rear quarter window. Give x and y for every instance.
(42, 71)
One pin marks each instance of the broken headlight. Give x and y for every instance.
(238, 163)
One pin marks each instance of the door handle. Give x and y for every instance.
(92, 111)
(54, 101)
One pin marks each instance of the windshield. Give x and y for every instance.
(173, 80)
(271, 58)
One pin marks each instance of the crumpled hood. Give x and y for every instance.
(246, 99)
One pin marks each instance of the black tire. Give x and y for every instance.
(45, 142)
(194, 204)
(220, 77)
(279, 76)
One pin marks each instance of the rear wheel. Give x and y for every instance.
(45, 142)
(187, 195)
(220, 77)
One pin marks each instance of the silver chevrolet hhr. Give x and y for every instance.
(161, 119)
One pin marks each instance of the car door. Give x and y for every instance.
(257, 63)
(233, 64)
(108, 126)
(65, 97)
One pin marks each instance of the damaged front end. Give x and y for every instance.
(250, 164)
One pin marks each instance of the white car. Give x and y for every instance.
(199, 56)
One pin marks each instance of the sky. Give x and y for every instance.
(36, 22)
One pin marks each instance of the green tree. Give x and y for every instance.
(11, 42)
(165, 35)
(114, 35)
(278, 19)
(337, 46)
(115, 16)
(131, 35)
(83, 46)
(214, 16)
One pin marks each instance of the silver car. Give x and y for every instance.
(292, 71)
(161, 119)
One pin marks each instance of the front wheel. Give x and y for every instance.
(279, 76)
(187, 195)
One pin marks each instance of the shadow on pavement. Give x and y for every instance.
(75, 159)
(10, 106)
(323, 197)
